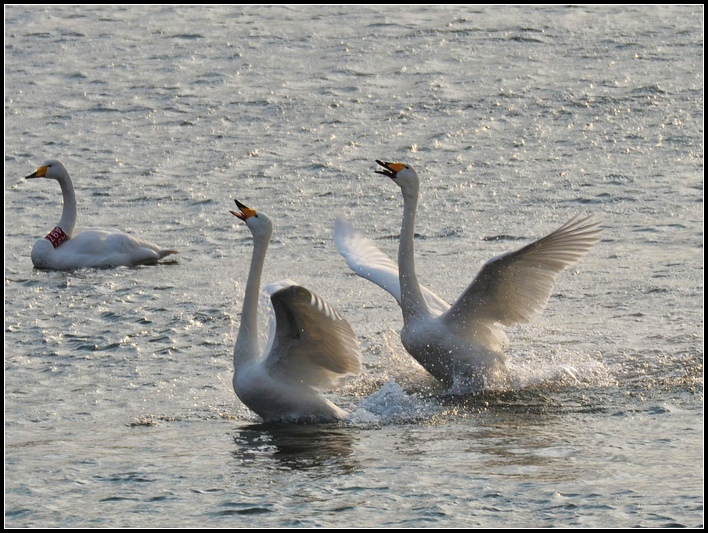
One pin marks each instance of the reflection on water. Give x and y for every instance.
(298, 447)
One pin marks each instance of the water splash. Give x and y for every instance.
(391, 404)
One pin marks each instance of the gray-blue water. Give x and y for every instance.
(119, 409)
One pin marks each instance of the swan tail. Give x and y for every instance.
(164, 253)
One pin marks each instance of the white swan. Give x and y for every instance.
(311, 347)
(68, 248)
(463, 343)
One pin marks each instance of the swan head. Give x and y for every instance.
(401, 174)
(52, 169)
(259, 223)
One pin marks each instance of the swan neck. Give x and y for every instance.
(412, 301)
(68, 213)
(247, 340)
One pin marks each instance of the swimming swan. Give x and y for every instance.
(311, 347)
(65, 248)
(464, 343)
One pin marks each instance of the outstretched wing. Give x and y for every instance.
(312, 343)
(516, 286)
(367, 261)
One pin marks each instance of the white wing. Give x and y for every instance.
(516, 286)
(275, 286)
(367, 261)
(313, 344)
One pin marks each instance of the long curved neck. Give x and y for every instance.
(68, 213)
(246, 347)
(412, 301)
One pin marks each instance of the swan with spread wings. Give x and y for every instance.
(312, 348)
(464, 343)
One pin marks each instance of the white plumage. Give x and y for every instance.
(464, 343)
(67, 247)
(311, 348)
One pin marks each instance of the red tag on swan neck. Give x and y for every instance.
(57, 236)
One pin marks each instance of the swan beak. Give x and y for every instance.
(40, 173)
(391, 168)
(243, 212)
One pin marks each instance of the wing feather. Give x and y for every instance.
(515, 287)
(369, 262)
(312, 344)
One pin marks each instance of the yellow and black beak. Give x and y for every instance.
(39, 173)
(243, 212)
(391, 168)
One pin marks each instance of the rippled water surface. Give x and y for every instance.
(119, 409)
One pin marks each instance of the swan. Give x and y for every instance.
(311, 347)
(463, 344)
(67, 248)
